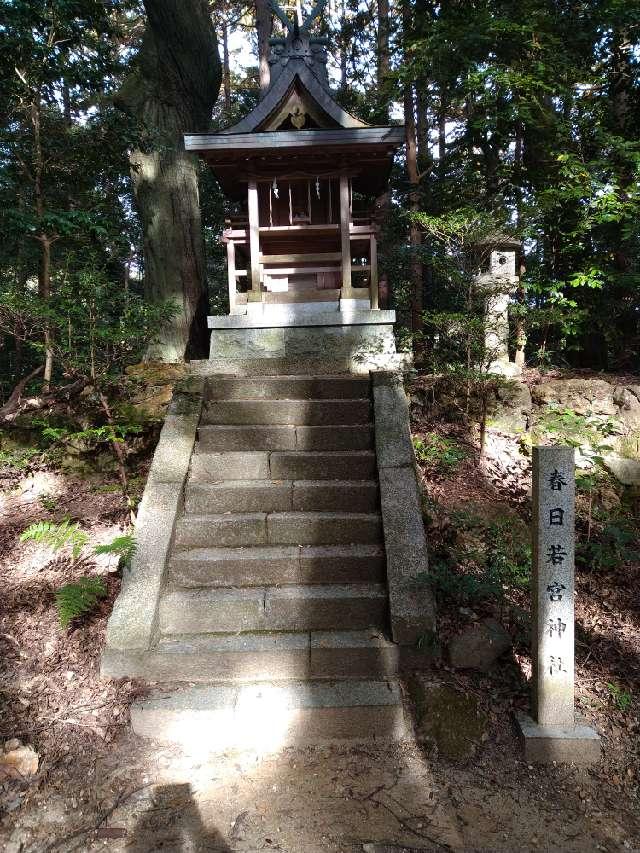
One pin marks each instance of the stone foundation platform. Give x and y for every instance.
(361, 339)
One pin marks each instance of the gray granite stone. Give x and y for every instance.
(239, 496)
(293, 319)
(393, 434)
(626, 471)
(335, 495)
(221, 438)
(411, 603)
(232, 465)
(553, 533)
(309, 412)
(235, 567)
(325, 608)
(323, 528)
(316, 387)
(344, 437)
(221, 717)
(177, 438)
(133, 623)
(224, 530)
(323, 465)
(212, 611)
(576, 744)
(247, 343)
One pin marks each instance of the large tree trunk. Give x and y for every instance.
(264, 26)
(171, 91)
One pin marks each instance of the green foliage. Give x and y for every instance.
(57, 536)
(18, 459)
(48, 502)
(452, 586)
(609, 544)
(438, 452)
(586, 431)
(124, 547)
(92, 435)
(486, 561)
(621, 698)
(76, 599)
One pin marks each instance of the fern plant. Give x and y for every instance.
(75, 599)
(56, 536)
(124, 547)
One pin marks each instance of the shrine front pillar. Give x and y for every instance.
(345, 236)
(254, 241)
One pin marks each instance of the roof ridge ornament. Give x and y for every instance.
(294, 26)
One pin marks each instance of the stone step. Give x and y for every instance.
(283, 465)
(235, 530)
(222, 437)
(239, 465)
(288, 608)
(325, 412)
(269, 716)
(277, 564)
(281, 496)
(263, 657)
(287, 387)
(323, 465)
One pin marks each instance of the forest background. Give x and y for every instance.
(520, 116)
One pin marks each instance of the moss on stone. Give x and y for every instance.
(447, 717)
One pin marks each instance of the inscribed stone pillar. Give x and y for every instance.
(553, 585)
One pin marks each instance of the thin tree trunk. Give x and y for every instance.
(621, 94)
(66, 105)
(422, 126)
(520, 330)
(171, 91)
(442, 136)
(45, 240)
(226, 69)
(264, 25)
(119, 448)
(343, 47)
(415, 234)
(383, 61)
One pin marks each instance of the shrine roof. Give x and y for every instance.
(280, 140)
(298, 120)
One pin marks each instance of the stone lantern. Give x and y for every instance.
(498, 279)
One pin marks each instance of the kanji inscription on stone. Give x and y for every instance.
(553, 585)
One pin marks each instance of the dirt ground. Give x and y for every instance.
(138, 797)
(99, 787)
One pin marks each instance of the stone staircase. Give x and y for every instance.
(275, 596)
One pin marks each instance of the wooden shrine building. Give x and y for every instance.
(305, 174)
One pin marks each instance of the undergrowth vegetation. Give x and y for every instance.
(80, 597)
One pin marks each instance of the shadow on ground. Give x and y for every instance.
(172, 822)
